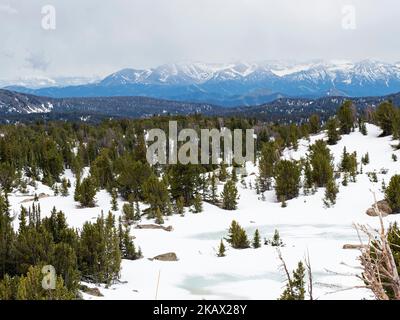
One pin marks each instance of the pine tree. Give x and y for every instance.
(155, 194)
(321, 162)
(197, 204)
(99, 257)
(159, 216)
(229, 196)
(363, 128)
(345, 181)
(138, 213)
(85, 192)
(214, 189)
(287, 179)
(221, 249)
(114, 201)
(180, 209)
(394, 157)
(128, 213)
(276, 240)
(330, 193)
(223, 173)
(392, 193)
(112, 250)
(7, 237)
(308, 178)
(315, 124)
(237, 236)
(56, 190)
(30, 287)
(269, 156)
(256, 240)
(295, 288)
(346, 117)
(365, 159)
(234, 175)
(64, 187)
(332, 132)
(386, 115)
(127, 247)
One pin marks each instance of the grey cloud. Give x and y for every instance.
(37, 61)
(6, 8)
(95, 37)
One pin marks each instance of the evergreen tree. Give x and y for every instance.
(256, 240)
(102, 169)
(392, 193)
(269, 156)
(385, 115)
(128, 213)
(276, 240)
(159, 216)
(114, 201)
(85, 192)
(234, 175)
(138, 213)
(346, 117)
(155, 194)
(30, 287)
(214, 189)
(221, 249)
(321, 162)
(99, 256)
(229, 196)
(365, 159)
(6, 238)
(330, 193)
(237, 236)
(295, 288)
(308, 178)
(56, 190)
(180, 209)
(7, 176)
(64, 187)
(287, 179)
(363, 128)
(197, 204)
(315, 124)
(127, 247)
(223, 173)
(185, 181)
(332, 131)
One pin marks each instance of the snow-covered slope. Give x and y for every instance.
(306, 227)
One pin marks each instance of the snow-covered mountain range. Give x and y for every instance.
(242, 83)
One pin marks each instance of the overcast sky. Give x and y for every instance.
(94, 37)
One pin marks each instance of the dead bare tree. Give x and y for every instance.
(289, 279)
(377, 260)
(284, 267)
(310, 277)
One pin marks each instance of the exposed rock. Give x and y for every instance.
(91, 291)
(154, 226)
(40, 196)
(353, 246)
(383, 207)
(170, 256)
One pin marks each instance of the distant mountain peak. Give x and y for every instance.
(241, 83)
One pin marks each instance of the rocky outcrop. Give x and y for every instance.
(154, 226)
(91, 291)
(170, 256)
(353, 246)
(383, 207)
